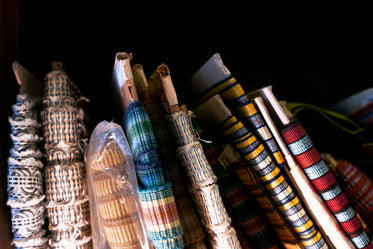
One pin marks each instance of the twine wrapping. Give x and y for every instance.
(202, 180)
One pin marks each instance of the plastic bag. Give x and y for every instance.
(116, 215)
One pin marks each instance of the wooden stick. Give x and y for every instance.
(170, 95)
(123, 78)
(274, 107)
(139, 78)
(28, 83)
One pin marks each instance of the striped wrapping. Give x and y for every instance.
(162, 221)
(160, 212)
(254, 152)
(246, 213)
(144, 146)
(359, 189)
(235, 98)
(241, 207)
(324, 181)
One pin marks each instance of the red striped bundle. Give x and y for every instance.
(359, 189)
(324, 181)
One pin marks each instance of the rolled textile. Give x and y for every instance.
(189, 220)
(317, 171)
(26, 196)
(240, 206)
(149, 169)
(324, 181)
(204, 191)
(357, 185)
(65, 139)
(115, 209)
(320, 213)
(214, 77)
(254, 152)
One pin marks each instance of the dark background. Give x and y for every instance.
(301, 48)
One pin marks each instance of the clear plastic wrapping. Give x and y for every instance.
(116, 216)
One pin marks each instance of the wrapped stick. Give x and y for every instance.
(148, 94)
(156, 196)
(203, 188)
(312, 200)
(25, 178)
(217, 116)
(317, 171)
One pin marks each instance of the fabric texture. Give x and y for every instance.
(324, 181)
(254, 152)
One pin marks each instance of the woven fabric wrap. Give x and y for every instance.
(194, 160)
(235, 98)
(324, 181)
(254, 152)
(210, 205)
(226, 239)
(189, 220)
(359, 189)
(64, 130)
(25, 180)
(65, 183)
(144, 146)
(140, 134)
(161, 216)
(204, 191)
(254, 225)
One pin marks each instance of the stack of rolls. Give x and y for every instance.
(194, 235)
(114, 196)
(25, 181)
(64, 131)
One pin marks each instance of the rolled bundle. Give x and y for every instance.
(113, 189)
(149, 95)
(357, 185)
(149, 169)
(25, 168)
(202, 180)
(325, 182)
(254, 152)
(65, 135)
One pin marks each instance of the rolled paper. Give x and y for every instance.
(254, 152)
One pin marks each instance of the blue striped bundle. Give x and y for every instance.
(144, 146)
